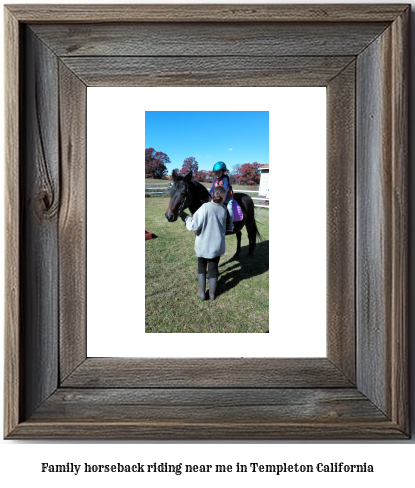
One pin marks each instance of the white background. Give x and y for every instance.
(393, 462)
(115, 219)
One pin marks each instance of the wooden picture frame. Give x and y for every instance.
(360, 53)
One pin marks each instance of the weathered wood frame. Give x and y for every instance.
(359, 52)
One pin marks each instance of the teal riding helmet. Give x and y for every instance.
(220, 166)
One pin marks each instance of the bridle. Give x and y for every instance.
(186, 194)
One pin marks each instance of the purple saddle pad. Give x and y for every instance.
(237, 212)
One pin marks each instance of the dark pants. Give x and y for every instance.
(213, 266)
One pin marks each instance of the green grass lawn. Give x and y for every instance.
(242, 302)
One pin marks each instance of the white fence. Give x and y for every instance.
(162, 190)
(261, 199)
(165, 189)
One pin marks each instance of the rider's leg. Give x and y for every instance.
(230, 212)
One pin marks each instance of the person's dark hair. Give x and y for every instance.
(218, 194)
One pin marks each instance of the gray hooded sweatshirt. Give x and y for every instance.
(210, 223)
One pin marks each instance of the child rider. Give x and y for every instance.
(222, 179)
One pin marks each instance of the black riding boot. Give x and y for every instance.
(202, 286)
(212, 288)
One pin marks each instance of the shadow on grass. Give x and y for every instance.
(243, 267)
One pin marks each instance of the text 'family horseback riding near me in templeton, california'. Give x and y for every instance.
(180, 468)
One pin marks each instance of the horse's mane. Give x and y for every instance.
(202, 191)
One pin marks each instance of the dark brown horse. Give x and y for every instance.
(187, 193)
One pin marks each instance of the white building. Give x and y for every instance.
(264, 182)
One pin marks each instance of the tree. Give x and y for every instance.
(233, 175)
(248, 174)
(205, 176)
(155, 165)
(190, 164)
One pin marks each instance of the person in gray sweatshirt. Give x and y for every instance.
(209, 222)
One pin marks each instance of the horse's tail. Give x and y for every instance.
(258, 236)
(254, 235)
(254, 227)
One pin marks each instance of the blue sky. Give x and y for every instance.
(233, 137)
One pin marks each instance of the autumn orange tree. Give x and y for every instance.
(190, 164)
(155, 166)
(248, 174)
(205, 176)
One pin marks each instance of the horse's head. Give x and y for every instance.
(180, 196)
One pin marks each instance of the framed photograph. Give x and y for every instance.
(230, 326)
(358, 390)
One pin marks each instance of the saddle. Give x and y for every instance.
(237, 211)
